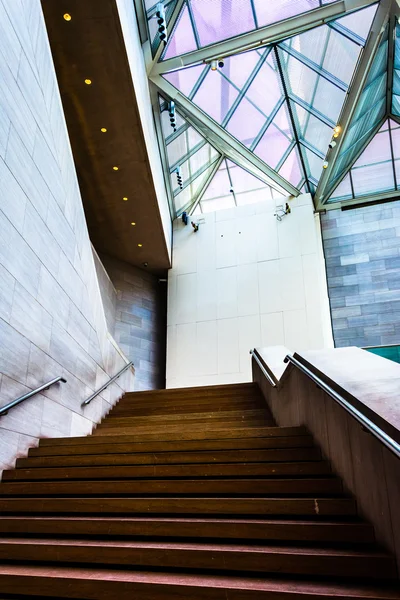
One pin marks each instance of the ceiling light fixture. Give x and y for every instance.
(67, 17)
(140, 245)
(325, 164)
(103, 130)
(133, 223)
(115, 168)
(125, 198)
(88, 81)
(214, 65)
(337, 129)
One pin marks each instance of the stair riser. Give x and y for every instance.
(103, 447)
(162, 458)
(239, 487)
(260, 562)
(116, 472)
(181, 506)
(270, 432)
(175, 528)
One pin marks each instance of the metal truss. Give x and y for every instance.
(259, 37)
(224, 142)
(354, 93)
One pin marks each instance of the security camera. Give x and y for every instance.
(145, 264)
(332, 144)
(221, 63)
(231, 190)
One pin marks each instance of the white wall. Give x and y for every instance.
(244, 280)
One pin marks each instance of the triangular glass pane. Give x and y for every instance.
(313, 164)
(311, 129)
(273, 11)
(218, 20)
(185, 79)
(291, 169)
(396, 74)
(368, 115)
(246, 123)
(188, 196)
(359, 22)
(215, 96)
(182, 39)
(232, 185)
(372, 173)
(276, 140)
(343, 190)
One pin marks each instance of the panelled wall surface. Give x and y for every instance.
(244, 280)
(362, 250)
(138, 301)
(51, 315)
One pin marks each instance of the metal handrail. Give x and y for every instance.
(263, 369)
(4, 409)
(109, 382)
(376, 431)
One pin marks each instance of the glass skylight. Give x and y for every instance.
(189, 154)
(233, 186)
(377, 170)
(368, 115)
(396, 74)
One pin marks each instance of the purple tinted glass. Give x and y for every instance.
(182, 39)
(272, 146)
(271, 11)
(239, 67)
(218, 20)
(185, 79)
(396, 141)
(281, 120)
(372, 179)
(359, 22)
(220, 184)
(290, 169)
(265, 91)
(215, 96)
(378, 150)
(246, 123)
(242, 180)
(343, 190)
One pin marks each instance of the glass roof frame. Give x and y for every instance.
(305, 146)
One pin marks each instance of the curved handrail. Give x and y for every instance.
(376, 431)
(4, 409)
(105, 386)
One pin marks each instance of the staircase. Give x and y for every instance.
(186, 494)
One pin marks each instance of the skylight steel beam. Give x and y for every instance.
(226, 143)
(355, 90)
(151, 64)
(259, 37)
(193, 205)
(362, 200)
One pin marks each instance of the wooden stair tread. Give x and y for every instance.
(262, 432)
(201, 431)
(159, 458)
(128, 447)
(111, 583)
(295, 560)
(316, 506)
(256, 529)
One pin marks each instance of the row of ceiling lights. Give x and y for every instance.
(68, 17)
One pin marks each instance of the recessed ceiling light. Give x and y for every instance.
(140, 245)
(67, 17)
(88, 81)
(115, 168)
(133, 223)
(103, 129)
(125, 198)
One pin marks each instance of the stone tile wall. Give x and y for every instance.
(362, 249)
(52, 320)
(140, 320)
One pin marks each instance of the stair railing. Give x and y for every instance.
(4, 409)
(376, 431)
(109, 382)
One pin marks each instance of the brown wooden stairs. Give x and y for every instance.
(186, 494)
